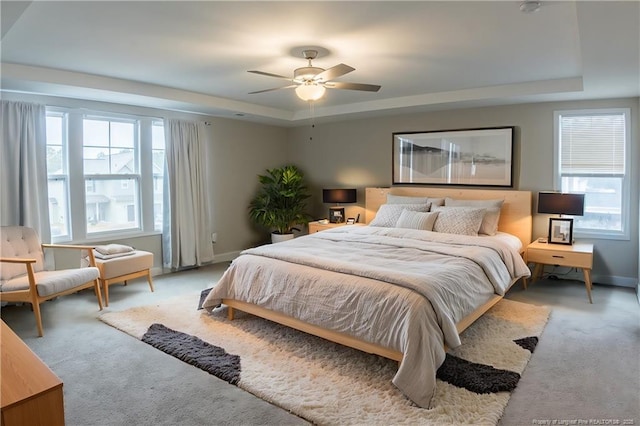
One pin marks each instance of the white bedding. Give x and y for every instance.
(340, 280)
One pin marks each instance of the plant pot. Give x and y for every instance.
(276, 238)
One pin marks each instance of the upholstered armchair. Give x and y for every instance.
(23, 277)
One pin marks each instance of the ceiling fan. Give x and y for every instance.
(311, 82)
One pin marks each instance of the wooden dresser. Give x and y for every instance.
(30, 393)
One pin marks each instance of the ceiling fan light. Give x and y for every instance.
(310, 92)
(530, 6)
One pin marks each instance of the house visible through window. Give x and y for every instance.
(591, 158)
(106, 154)
(111, 161)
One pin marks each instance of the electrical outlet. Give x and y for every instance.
(214, 237)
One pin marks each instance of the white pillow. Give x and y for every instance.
(388, 214)
(416, 220)
(491, 217)
(404, 199)
(458, 220)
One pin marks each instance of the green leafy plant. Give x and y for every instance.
(281, 201)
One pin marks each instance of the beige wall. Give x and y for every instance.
(238, 152)
(357, 153)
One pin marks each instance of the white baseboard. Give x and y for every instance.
(218, 258)
(614, 280)
(225, 257)
(596, 278)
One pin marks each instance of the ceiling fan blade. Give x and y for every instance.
(271, 90)
(352, 86)
(333, 72)
(268, 74)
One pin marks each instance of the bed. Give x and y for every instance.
(400, 293)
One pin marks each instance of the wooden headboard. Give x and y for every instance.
(515, 215)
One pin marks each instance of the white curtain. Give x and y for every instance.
(23, 167)
(186, 233)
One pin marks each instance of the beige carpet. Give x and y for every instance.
(329, 384)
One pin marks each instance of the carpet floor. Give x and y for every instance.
(327, 383)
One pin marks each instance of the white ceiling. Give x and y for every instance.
(194, 56)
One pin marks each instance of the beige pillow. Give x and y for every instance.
(492, 216)
(388, 214)
(417, 220)
(458, 220)
(405, 199)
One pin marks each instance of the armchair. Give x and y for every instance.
(24, 279)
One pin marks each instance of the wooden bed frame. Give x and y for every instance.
(515, 218)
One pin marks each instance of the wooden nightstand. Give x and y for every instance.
(316, 226)
(578, 255)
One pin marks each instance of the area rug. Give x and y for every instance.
(329, 384)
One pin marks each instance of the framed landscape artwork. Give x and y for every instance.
(482, 157)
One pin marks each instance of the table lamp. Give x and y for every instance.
(337, 196)
(560, 229)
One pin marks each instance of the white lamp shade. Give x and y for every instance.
(310, 91)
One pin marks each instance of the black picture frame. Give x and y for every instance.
(466, 157)
(560, 231)
(336, 214)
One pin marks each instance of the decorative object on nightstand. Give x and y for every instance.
(560, 229)
(337, 196)
(578, 255)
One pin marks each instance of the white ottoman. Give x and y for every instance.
(121, 269)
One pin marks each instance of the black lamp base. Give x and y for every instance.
(336, 214)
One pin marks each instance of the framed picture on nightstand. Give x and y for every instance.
(560, 231)
(336, 215)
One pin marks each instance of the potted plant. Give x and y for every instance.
(280, 203)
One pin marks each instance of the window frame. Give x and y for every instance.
(122, 177)
(155, 180)
(64, 176)
(76, 180)
(625, 233)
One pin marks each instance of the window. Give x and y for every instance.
(591, 158)
(110, 160)
(57, 173)
(108, 154)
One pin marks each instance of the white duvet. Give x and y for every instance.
(399, 288)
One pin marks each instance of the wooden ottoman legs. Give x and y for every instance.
(107, 283)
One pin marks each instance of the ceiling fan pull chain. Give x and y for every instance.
(313, 120)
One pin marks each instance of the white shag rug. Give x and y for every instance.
(329, 384)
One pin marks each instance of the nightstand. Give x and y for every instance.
(578, 255)
(316, 226)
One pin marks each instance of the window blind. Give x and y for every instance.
(592, 145)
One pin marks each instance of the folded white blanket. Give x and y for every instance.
(101, 256)
(110, 249)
